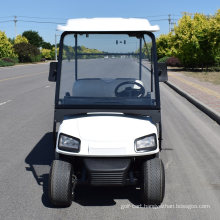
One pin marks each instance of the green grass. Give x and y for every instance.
(4, 63)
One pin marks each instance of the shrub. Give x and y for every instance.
(6, 48)
(27, 52)
(170, 61)
(5, 63)
(46, 53)
(10, 60)
(163, 59)
(52, 53)
(173, 61)
(14, 59)
(36, 58)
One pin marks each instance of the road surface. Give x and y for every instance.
(191, 154)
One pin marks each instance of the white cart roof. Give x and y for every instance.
(108, 24)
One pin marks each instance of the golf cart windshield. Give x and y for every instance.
(109, 70)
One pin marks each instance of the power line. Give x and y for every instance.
(15, 20)
(43, 18)
(53, 18)
(165, 19)
(6, 16)
(6, 21)
(170, 19)
(155, 16)
(41, 22)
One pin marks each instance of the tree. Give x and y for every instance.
(27, 52)
(11, 40)
(33, 38)
(165, 45)
(20, 39)
(47, 45)
(215, 33)
(6, 48)
(195, 41)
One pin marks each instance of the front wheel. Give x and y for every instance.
(60, 183)
(153, 181)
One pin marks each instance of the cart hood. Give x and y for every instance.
(107, 135)
(107, 128)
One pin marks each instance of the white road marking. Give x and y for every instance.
(47, 86)
(3, 103)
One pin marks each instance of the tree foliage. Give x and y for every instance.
(6, 48)
(69, 52)
(20, 39)
(47, 45)
(33, 38)
(27, 52)
(52, 53)
(165, 45)
(195, 41)
(46, 53)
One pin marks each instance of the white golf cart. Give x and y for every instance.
(107, 106)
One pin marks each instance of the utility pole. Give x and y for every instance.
(169, 20)
(173, 24)
(15, 21)
(56, 54)
(55, 46)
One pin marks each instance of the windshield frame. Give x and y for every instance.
(110, 107)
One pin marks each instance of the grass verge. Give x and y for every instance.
(205, 76)
(5, 63)
(212, 77)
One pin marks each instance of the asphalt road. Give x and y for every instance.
(191, 156)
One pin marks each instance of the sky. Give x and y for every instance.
(58, 11)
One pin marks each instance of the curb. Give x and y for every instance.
(203, 107)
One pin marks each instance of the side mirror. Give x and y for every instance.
(162, 72)
(53, 72)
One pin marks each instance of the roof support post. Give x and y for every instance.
(76, 56)
(140, 59)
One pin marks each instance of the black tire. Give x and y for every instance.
(60, 183)
(153, 182)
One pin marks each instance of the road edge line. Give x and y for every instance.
(203, 107)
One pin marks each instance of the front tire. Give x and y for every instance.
(153, 181)
(60, 183)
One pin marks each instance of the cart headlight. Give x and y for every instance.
(146, 143)
(68, 143)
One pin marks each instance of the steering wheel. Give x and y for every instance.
(129, 91)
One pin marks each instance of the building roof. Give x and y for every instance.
(108, 24)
